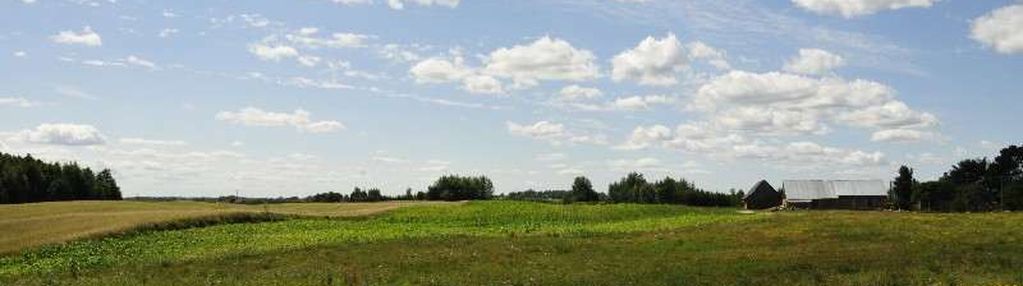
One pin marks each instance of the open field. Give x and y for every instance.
(530, 243)
(29, 225)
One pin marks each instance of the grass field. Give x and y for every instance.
(29, 225)
(531, 243)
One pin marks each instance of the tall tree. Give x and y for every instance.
(582, 190)
(902, 189)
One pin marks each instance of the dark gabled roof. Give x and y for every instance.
(762, 184)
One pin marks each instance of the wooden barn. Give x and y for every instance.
(762, 196)
(838, 194)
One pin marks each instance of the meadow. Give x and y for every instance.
(505, 242)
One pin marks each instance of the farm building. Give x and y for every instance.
(762, 196)
(840, 194)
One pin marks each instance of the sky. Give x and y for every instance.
(292, 98)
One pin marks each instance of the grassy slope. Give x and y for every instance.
(30, 225)
(519, 243)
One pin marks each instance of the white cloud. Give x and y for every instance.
(814, 62)
(306, 37)
(541, 129)
(482, 84)
(781, 103)
(134, 60)
(854, 8)
(701, 51)
(641, 102)
(555, 133)
(398, 53)
(576, 93)
(652, 61)
(1002, 29)
(893, 114)
(643, 137)
(151, 142)
(272, 53)
(437, 70)
(309, 61)
(544, 59)
(20, 54)
(635, 165)
(901, 135)
(17, 102)
(62, 134)
(86, 37)
(251, 116)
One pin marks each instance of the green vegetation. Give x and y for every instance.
(459, 188)
(971, 185)
(633, 188)
(31, 225)
(507, 242)
(26, 180)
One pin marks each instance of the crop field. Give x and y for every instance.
(29, 225)
(503, 242)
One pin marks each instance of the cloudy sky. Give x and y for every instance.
(281, 98)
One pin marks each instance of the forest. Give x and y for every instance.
(971, 185)
(27, 179)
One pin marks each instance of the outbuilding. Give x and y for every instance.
(762, 196)
(836, 194)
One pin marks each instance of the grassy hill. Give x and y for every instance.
(533, 243)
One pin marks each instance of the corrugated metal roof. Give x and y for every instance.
(860, 187)
(807, 190)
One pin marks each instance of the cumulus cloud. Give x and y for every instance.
(62, 134)
(555, 133)
(86, 37)
(855, 8)
(651, 62)
(575, 93)
(646, 136)
(484, 84)
(814, 62)
(641, 102)
(544, 59)
(308, 37)
(702, 138)
(438, 70)
(272, 53)
(701, 51)
(251, 116)
(901, 135)
(782, 103)
(1001, 29)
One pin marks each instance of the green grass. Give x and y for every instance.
(531, 243)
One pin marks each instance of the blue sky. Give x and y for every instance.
(281, 98)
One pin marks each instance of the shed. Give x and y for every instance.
(836, 194)
(762, 196)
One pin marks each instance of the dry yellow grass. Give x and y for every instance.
(29, 225)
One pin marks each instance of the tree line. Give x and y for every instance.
(970, 185)
(27, 180)
(634, 188)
